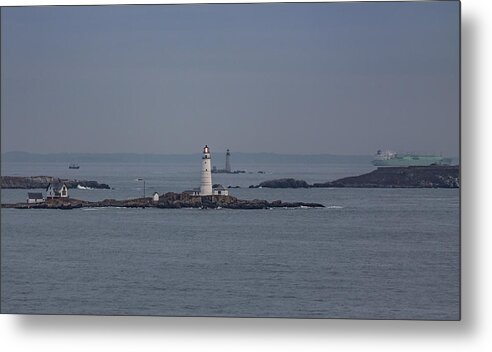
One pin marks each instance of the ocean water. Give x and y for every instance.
(371, 253)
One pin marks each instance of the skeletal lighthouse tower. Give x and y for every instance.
(206, 185)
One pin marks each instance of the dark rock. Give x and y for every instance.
(43, 182)
(283, 183)
(434, 176)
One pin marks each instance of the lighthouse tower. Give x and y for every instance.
(228, 162)
(206, 184)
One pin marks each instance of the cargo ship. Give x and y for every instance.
(389, 158)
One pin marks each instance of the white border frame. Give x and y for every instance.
(86, 333)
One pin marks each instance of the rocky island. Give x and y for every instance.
(283, 183)
(32, 182)
(434, 176)
(169, 200)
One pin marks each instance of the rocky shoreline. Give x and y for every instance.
(434, 176)
(169, 200)
(33, 182)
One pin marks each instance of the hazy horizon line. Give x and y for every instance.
(175, 154)
(218, 157)
(221, 152)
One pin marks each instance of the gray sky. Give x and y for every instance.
(345, 78)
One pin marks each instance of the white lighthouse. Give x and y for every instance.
(206, 184)
(228, 161)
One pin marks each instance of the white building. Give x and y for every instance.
(206, 184)
(155, 197)
(219, 190)
(56, 190)
(33, 198)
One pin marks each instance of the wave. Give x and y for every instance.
(83, 187)
(334, 207)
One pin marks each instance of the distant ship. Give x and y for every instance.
(73, 166)
(389, 158)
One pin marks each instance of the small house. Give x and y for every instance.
(155, 197)
(56, 190)
(219, 190)
(193, 192)
(33, 198)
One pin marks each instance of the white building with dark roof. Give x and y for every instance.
(33, 198)
(56, 189)
(219, 190)
(155, 197)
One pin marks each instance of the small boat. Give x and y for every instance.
(73, 166)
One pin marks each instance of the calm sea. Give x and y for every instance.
(371, 253)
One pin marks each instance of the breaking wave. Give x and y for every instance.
(83, 187)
